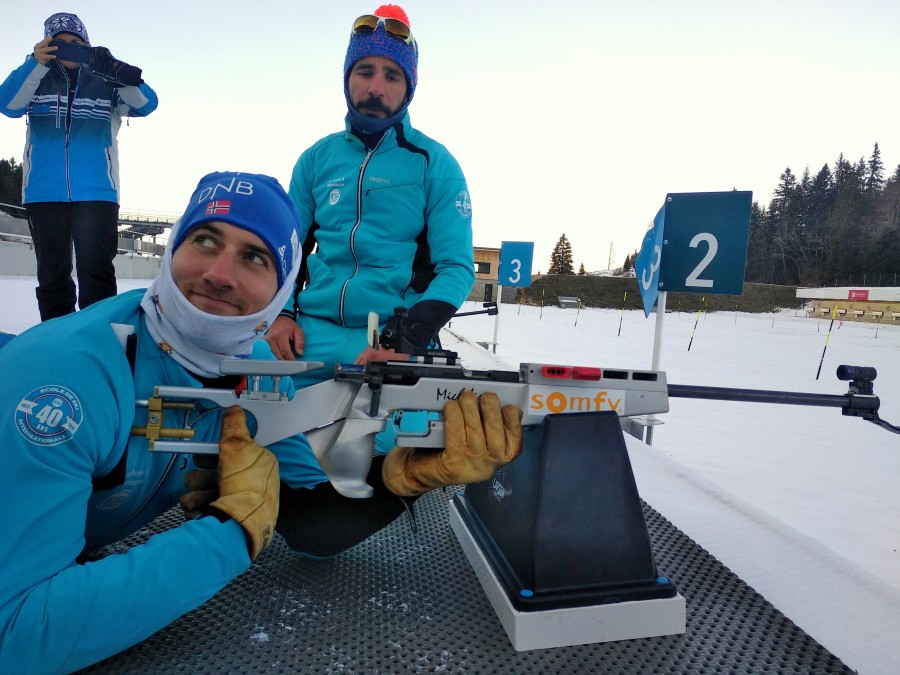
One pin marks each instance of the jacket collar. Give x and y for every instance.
(388, 137)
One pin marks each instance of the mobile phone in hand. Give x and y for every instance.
(69, 51)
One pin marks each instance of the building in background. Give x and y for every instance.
(487, 267)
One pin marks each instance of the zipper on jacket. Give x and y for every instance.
(359, 197)
(70, 101)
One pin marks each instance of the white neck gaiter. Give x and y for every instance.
(200, 341)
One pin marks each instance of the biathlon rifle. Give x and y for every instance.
(342, 416)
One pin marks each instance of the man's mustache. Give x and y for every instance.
(375, 105)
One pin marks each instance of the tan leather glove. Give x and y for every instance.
(479, 438)
(248, 482)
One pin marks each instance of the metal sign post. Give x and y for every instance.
(497, 320)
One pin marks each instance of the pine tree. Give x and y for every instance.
(581, 269)
(785, 221)
(841, 172)
(875, 171)
(561, 258)
(848, 240)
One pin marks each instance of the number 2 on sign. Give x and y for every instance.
(693, 279)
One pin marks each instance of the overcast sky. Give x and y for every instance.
(572, 117)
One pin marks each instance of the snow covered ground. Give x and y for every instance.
(813, 473)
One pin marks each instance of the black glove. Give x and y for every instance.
(115, 72)
(424, 321)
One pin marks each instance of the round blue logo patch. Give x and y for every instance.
(463, 205)
(49, 415)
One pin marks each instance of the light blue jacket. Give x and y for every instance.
(68, 400)
(71, 151)
(393, 225)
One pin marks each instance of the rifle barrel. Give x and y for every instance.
(758, 395)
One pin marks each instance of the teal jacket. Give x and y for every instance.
(69, 397)
(393, 226)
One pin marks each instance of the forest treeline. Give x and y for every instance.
(839, 226)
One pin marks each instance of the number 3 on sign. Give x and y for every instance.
(515, 276)
(693, 279)
(646, 280)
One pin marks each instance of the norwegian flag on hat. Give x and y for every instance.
(253, 202)
(219, 206)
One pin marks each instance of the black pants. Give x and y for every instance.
(93, 228)
(322, 522)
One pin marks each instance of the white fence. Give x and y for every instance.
(17, 253)
(17, 259)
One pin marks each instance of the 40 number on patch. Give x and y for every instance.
(49, 415)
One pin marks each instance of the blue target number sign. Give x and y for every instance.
(705, 242)
(515, 263)
(698, 244)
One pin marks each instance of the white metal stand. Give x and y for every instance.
(569, 626)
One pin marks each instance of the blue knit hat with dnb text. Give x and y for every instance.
(253, 202)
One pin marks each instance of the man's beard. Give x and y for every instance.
(373, 105)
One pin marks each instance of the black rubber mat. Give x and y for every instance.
(405, 602)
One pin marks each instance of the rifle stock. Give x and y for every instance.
(341, 417)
